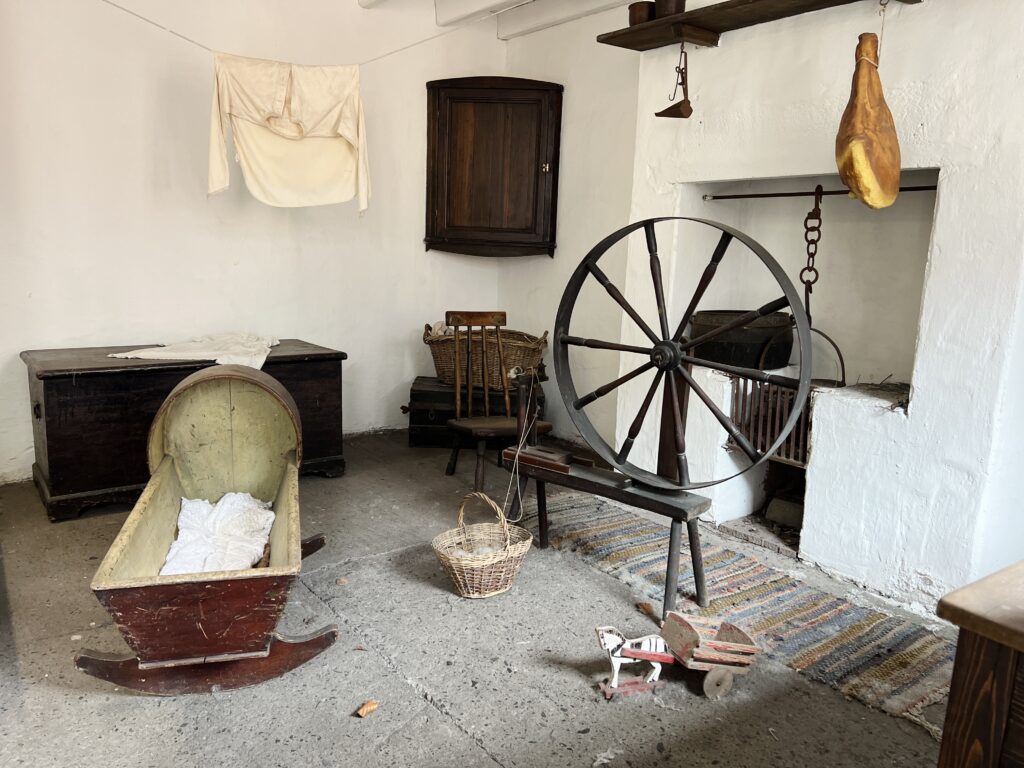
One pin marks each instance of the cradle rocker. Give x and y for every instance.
(224, 428)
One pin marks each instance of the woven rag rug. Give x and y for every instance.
(886, 662)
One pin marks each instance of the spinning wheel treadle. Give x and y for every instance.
(672, 356)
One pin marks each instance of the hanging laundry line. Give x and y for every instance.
(196, 43)
(157, 25)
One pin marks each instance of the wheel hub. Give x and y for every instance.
(666, 355)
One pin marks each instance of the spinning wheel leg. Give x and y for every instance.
(697, 558)
(672, 572)
(284, 654)
(542, 514)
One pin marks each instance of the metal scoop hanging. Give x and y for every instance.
(683, 109)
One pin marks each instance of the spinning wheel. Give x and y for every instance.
(672, 355)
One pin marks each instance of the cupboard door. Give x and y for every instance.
(492, 166)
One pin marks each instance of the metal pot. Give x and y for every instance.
(665, 8)
(766, 343)
(641, 12)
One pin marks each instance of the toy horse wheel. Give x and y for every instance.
(717, 683)
(671, 354)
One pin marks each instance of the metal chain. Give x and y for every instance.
(812, 236)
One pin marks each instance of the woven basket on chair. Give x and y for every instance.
(520, 350)
(482, 559)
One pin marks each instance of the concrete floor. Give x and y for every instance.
(506, 681)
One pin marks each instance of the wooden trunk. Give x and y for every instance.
(226, 428)
(91, 414)
(984, 725)
(432, 404)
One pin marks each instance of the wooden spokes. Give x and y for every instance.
(604, 390)
(741, 320)
(747, 373)
(702, 285)
(725, 421)
(576, 341)
(638, 420)
(616, 294)
(672, 357)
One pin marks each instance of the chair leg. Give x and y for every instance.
(698, 563)
(542, 514)
(481, 458)
(453, 460)
(672, 570)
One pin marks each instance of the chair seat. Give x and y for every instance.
(493, 426)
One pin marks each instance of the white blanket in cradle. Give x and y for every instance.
(227, 536)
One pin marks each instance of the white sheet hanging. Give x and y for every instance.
(298, 130)
(223, 348)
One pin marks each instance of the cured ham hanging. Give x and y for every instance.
(867, 147)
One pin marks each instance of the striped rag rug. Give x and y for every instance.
(886, 662)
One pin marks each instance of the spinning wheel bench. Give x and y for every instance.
(679, 508)
(670, 353)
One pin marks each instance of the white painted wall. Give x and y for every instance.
(767, 104)
(594, 188)
(108, 236)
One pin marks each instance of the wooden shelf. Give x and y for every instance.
(703, 26)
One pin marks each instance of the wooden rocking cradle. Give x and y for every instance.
(224, 428)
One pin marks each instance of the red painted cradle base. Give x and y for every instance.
(283, 655)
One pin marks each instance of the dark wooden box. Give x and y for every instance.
(91, 415)
(432, 404)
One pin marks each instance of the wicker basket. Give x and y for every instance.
(521, 350)
(484, 573)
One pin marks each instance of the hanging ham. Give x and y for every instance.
(867, 148)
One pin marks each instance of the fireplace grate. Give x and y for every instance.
(760, 410)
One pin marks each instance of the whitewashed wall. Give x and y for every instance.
(108, 236)
(595, 184)
(920, 519)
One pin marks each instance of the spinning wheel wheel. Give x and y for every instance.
(671, 354)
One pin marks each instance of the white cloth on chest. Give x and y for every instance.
(299, 132)
(223, 348)
(227, 536)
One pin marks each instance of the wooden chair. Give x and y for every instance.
(480, 427)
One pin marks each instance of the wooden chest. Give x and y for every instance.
(91, 416)
(432, 404)
(984, 725)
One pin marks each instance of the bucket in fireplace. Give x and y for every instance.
(765, 343)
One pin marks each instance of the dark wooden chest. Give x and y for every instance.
(432, 404)
(91, 415)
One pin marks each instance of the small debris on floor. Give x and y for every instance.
(368, 708)
(606, 757)
(359, 648)
(341, 582)
(648, 610)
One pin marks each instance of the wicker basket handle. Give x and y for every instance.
(493, 505)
